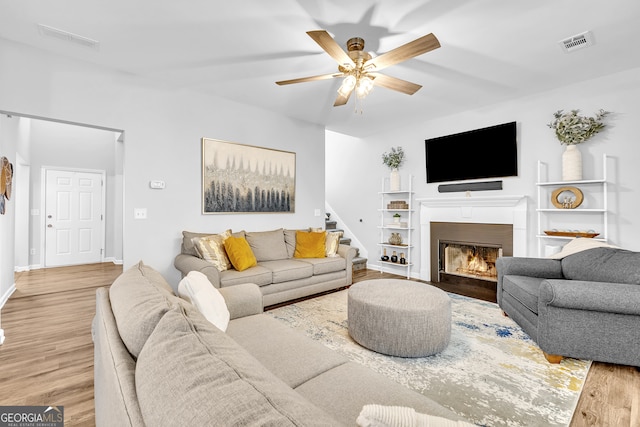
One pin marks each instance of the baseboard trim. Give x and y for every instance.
(113, 260)
(391, 270)
(4, 298)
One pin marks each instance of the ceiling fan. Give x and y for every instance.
(360, 70)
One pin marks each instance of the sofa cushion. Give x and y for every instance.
(259, 275)
(326, 265)
(290, 242)
(345, 389)
(286, 270)
(290, 355)
(138, 301)
(239, 253)
(187, 240)
(211, 248)
(603, 265)
(310, 244)
(524, 289)
(213, 381)
(197, 289)
(267, 245)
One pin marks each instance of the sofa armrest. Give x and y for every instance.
(186, 263)
(349, 253)
(543, 268)
(243, 300)
(531, 267)
(605, 297)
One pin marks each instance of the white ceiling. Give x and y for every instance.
(492, 50)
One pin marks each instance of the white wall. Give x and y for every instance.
(9, 134)
(355, 170)
(162, 131)
(61, 145)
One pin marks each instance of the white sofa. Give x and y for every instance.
(159, 362)
(280, 276)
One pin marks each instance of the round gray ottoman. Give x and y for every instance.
(399, 317)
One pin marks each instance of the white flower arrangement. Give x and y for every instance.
(393, 159)
(572, 128)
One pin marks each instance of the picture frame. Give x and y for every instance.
(241, 179)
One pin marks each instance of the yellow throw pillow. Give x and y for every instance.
(239, 253)
(211, 248)
(310, 244)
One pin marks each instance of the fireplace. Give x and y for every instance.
(468, 260)
(466, 253)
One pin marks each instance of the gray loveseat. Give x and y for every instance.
(585, 305)
(280, 276)
(159, 362)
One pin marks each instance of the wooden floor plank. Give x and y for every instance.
(47, 358)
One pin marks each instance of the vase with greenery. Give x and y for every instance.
(393, 160)
(572, 129)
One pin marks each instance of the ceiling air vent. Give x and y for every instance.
(577, 42)
(48, 31)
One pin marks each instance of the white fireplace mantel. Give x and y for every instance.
(496, 201)
(503, 209)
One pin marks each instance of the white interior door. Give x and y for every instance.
(73, 217)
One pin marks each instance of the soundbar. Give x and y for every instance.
(470, 186)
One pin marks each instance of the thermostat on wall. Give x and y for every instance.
(158, 184)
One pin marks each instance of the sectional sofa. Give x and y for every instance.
(159, 362)
(280, 276)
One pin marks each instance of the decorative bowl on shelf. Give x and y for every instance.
(568, 233)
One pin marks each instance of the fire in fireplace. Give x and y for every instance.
(472, 260)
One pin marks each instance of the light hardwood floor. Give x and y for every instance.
(47, 358)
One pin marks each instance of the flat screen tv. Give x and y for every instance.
(482, 153)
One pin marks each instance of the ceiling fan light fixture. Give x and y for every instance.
(347, 85)
(365, 84)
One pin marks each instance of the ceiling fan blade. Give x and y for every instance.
(342, 99)
(309, 79)
(394, 83)
(330, 46)
(412, 49)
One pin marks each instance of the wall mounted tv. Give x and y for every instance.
(482, 153)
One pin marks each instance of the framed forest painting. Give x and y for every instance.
(238, 178)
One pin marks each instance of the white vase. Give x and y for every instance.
(571, 164)
(394, 180)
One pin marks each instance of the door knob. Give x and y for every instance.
(49, 225)
(49, 216)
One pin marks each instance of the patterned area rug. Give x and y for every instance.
(491, 373)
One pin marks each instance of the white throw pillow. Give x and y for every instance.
(401, 416)
(196, 288)
(580, 244)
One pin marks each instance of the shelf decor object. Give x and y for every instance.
(395, 239)
(571, 233)
(561, 200)
(571, 164)
(394, 160)
(572, 129)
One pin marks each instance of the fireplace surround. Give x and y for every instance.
(468, 213)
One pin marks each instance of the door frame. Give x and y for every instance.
(43, 197)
